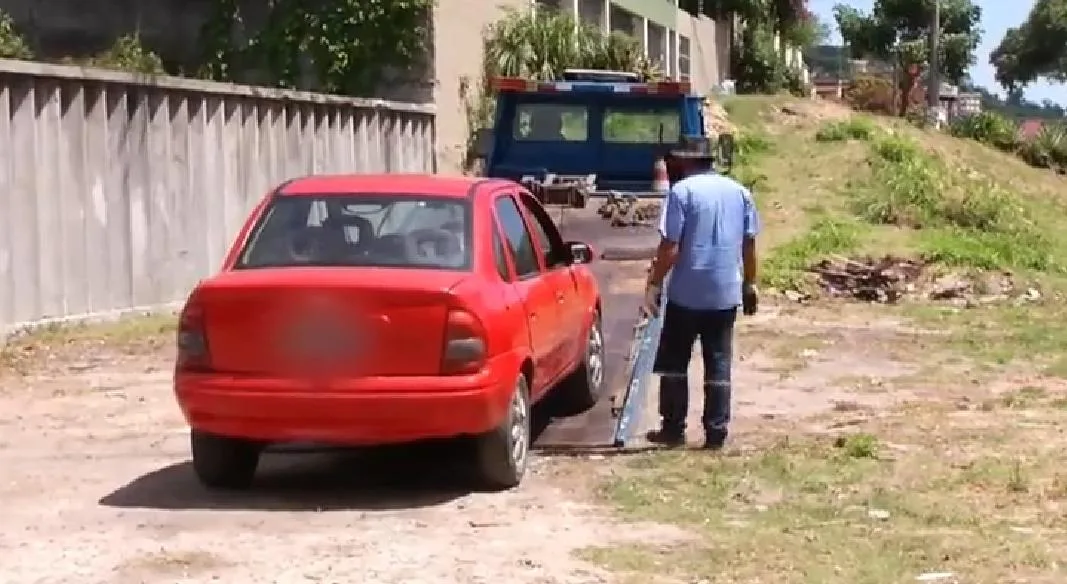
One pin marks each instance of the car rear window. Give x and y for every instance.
(403, 231)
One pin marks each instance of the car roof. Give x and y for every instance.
(354, 184)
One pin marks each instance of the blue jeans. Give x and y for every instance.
(681, 328)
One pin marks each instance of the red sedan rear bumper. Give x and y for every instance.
(367, 411)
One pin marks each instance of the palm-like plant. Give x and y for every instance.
(542, 46)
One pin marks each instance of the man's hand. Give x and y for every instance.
(749, 299)
(650, 305)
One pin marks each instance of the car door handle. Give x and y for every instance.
(559, 297)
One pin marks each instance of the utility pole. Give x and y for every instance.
(933, 88)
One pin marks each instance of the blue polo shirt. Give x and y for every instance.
(708, 215)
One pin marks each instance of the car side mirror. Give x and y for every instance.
(483, 142)
(726, 148)
(581, 253)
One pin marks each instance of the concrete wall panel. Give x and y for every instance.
(120, 192)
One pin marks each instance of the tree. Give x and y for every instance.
(898, 31)
(346, 46)
(1037, 49)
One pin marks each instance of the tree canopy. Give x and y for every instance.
(1037, 49)
(898, 31)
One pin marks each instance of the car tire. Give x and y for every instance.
(224, 463)
(581, 390)
(504, 453)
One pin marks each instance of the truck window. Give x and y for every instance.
(642, 125)
(550, 122)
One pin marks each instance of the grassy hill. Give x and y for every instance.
(831, 182)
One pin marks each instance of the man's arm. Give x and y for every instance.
(748, 255)
(748, 246)
(671, 223)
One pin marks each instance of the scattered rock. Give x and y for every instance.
(879, 514)
(935, 576)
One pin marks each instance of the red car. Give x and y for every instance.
(369, 310)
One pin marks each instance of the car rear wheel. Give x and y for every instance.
(581, 390)
(224, 463)
(504, 453)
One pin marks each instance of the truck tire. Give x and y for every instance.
(221, 462)
(581, 390)
(504, 452)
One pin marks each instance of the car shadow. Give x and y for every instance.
(379, 479)
(323, 479)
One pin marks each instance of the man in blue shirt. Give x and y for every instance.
(708, 230)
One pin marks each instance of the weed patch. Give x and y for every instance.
(972, 495)
(964, 217)
(787, 264)
(851, 129)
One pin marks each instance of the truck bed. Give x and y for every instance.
(622, 285)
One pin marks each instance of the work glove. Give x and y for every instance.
(650, 305)
(749, 299)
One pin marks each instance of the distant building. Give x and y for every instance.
(969, 103)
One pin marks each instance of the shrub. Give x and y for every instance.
(967, 218)
(12, 44)
(785, 268)
(127, 54)
(851, 129)
(989, 128)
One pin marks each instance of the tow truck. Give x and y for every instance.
(593, 148)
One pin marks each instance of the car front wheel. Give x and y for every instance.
(504, 452)
(221, 462)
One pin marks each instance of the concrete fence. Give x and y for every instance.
(120, 192)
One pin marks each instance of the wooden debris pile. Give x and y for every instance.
(628, 211)
(883, 280)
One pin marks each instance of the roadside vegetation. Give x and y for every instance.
(948, 468)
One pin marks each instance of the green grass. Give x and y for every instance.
(785, 267)
(67, 344)
(976, 499)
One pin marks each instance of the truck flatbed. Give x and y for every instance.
(622, 284)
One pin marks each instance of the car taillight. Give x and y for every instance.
(466, 348)
(192, 339)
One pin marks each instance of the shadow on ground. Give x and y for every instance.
(378, 479)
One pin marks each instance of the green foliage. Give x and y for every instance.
(127, 54)
(541, 46)
(345, 45)
(989, 128)
(12, 44)
(965, 217)
(1036, 49)
(757, 67)
(788, 263)
(897, 31)
(1048, 149)
(851, 129)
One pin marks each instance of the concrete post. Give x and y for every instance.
(644, 35)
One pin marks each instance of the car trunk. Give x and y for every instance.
(327, 322)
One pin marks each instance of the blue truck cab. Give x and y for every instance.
(601, 124)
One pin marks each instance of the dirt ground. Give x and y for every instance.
(97, 486)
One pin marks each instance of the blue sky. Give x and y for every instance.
(997, 17)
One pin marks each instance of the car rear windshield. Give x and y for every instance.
(401, 231)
